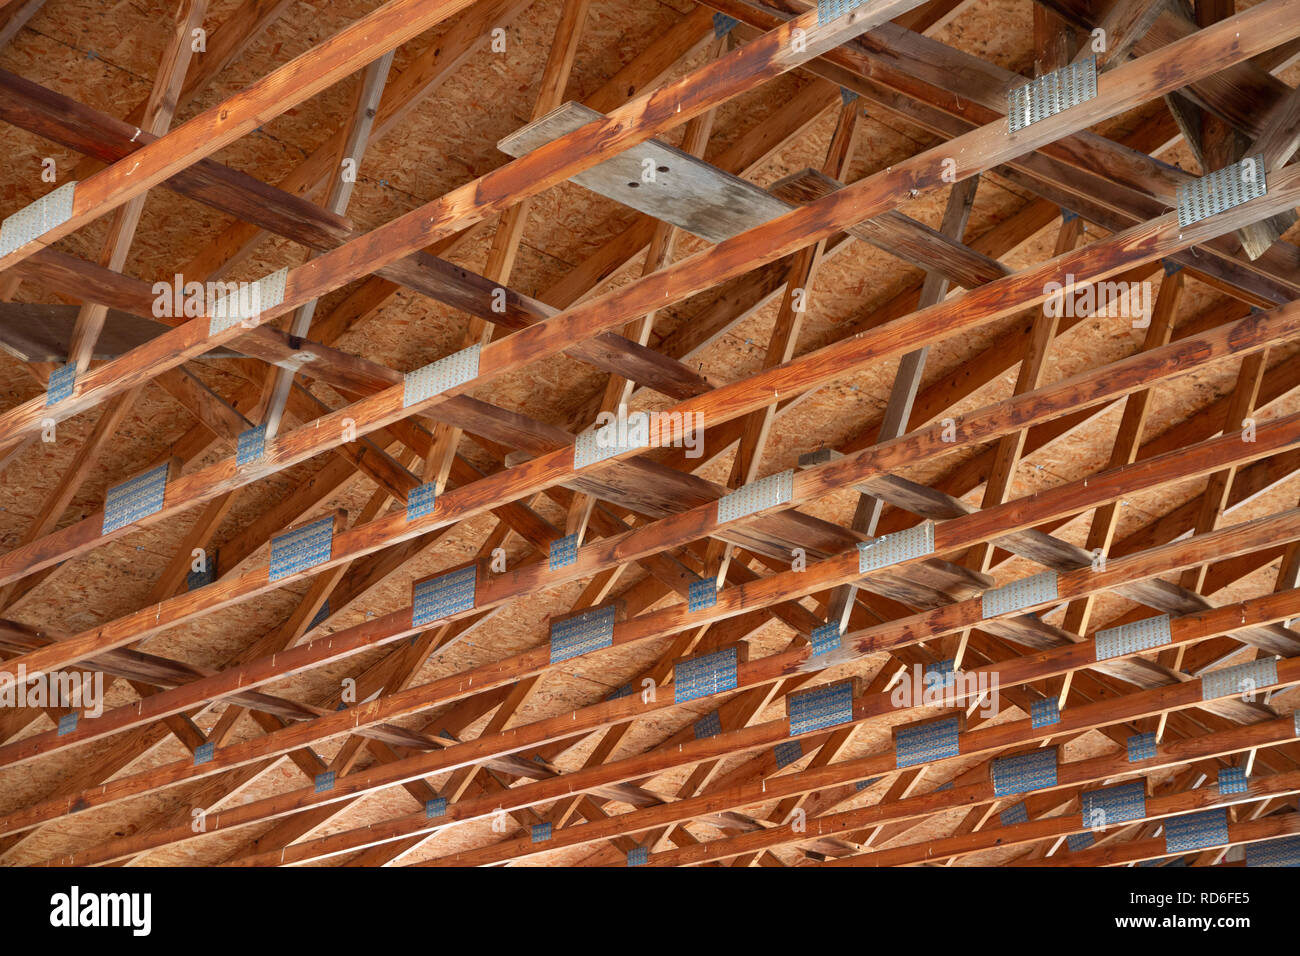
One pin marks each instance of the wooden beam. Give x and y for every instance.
(15, 17)
(949, 536)
(761, 736)
(1158, 240)
(365, 106)
(341, 55)
(552, 468)
(158, 112)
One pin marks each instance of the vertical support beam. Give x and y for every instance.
(343, 178)
(1214, 499)
(158, 113)
(13, 19)
(1010, 447)
(618, 390)
(907, 382)
(785, 332)
(1124, 450)
(510, 228)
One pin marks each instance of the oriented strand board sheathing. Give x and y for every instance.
(105, 55)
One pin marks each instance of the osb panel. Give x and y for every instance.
(105, 55)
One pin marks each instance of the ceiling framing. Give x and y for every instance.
(816, 244)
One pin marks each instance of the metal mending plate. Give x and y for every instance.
(302, 548)
(563, 552)
(921, 743)
(1024, 772)
(436, 598)
(658, 180)
(135, 498)
(940, 674)
(1245, 679)
(820, 707)
(616, 438)
(322, 613)
(704, 675)
(63, 381)
(37, 218)
(764, 493)
(437, 377)
(702, 594)
(1274, 852)
(1052, 93)
(1196, 831)
(1131, 638)
(197, 579)
(1122, 803)
(1016, 813)
(421, 501)
(1221, 190)
(1045, 712)
(710, 725)
(787, 752)
(826, 638)
(1027, 592)
(1232, 780)
(246, 301)
(583, 633)
(1141, 747)
(251, 446)
(829, 10)
(1079, 841)
(891, 549)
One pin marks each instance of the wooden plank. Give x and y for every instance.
(803, 372)
(17, 16)
(1178, 697)
(907, 381)
(300, 79)
(927, 73)
(365, 106)
(727, 77)
(1070, 774)
(42, 333)
(510, 229)
(683, 190)
(650, 292)
(901, 236)
(950, 619)
(159, 109)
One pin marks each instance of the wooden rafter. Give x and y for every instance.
(602, 763)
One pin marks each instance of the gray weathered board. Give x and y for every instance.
(715, 205)
(687, 192)
(41, 333)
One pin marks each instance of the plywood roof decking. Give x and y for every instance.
(471, 710)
